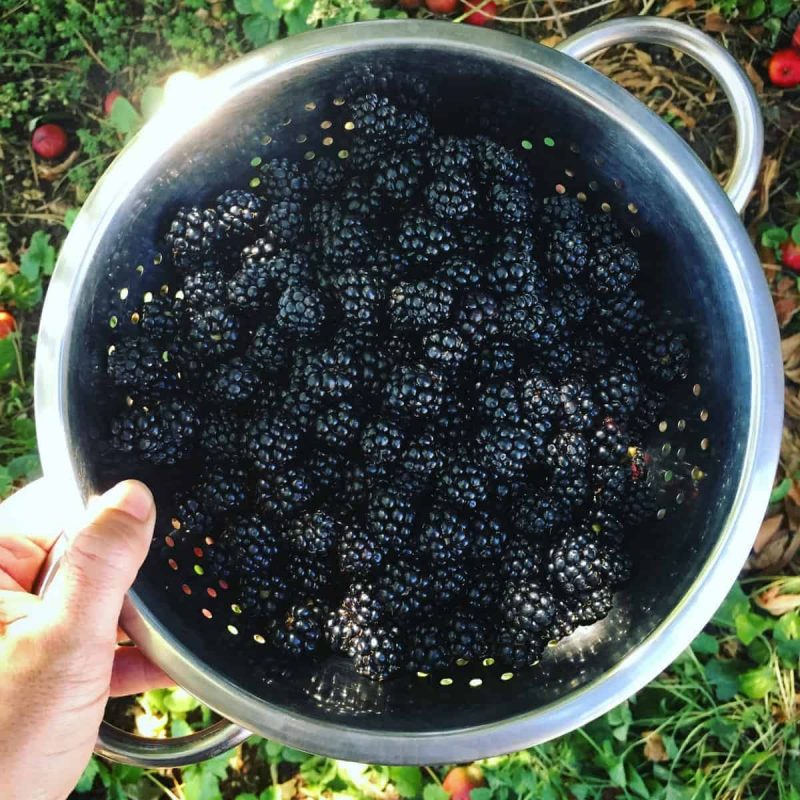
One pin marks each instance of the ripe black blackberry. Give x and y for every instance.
(314, 533)
(239, 211)
(140, 365)
(358, 200)
(192, 236)
(205, 288)
(568, 450)
(375, 117)
(260, 250)
(388, 265)
(453, 422)
(286, 269)
(478, 317)
(522, 316)
(423, 239)
(286, 223)
(574, 563)
(449, 154)
(428, 649)
(218, 562)
(537, 515)
(271, 442)
(234, 381)
(224, 489)
(527, 606)
(564, 622)
(590, 607)
(309, 576)
(300, 631)
(518, 649)
(612, 268)
(616, 564)
(568, 254)
(461, 272)
(282, 179)
(382, 442)
(541, 399)
(575, 302)
(325, 469)
(415, 391)
(608, 443)
(514, 275)
(577, 409)
(263, 596)
(162, 317)
(463, 483)
(212, 332)
(504, 450)
(610, 485)
(664, 353)
(402, 587)
(420, 305)
(221, 437)
(498, 401)
(364, 153)
(301, 311)
(496, 162)
(484, 590)
(448, 588)
(251, 289)
(349, 242)
(496, 360)
(468, 636)
(489, 537)
(603, 230)
(451, 197)
(390, 515)
(268, 350)
(379, 652)
(617, 388)
(282, 495)
(330, 374)
(360, 296)
(358, 553)
(621, 314)
(326, 175)
(191, 517)
(649, 411)
(511, 203)
(562, 213)
(338, 426)
(163, 433)
(415, 130)
(444, 348)
(252, 544)
(608, 527)
(521, 560)
(398, 176)
(590, 356)
(570, 486)
(421, 461)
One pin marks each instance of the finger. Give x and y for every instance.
(16, 605)
(102, 559)
(35, 512)
(20, 562)
(133, 673)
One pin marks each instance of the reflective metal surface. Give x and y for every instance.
(715, 451)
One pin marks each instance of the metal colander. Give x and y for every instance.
(714, 452)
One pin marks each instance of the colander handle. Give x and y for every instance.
(139, 751)
(703, 49)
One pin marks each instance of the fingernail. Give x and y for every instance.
(132, 498)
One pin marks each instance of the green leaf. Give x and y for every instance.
(243, 6)
(260, 30)
(246, 796)
(780, 491)
(705, 644)
(271, 793)
(796, 233)
(749, 626)
(179, 701)
(5, 482)
(69, 217)
(755, 9)
(179, 727)
(116, 791)
(724, 730)
(758, 683)
(297, 18)
(619, 719)
(26, 466)
(433, 791)
(780, 8)
(617, 774)
(759, 652)
(737, 602)
(125, 773)
(39, 259)
(789, 651)
(407, 780)
(200, 784)
(266, 8)
(152, 97)
(8, 357)
(676, 792)
(724, 677)
(636, 783)
(124, 117)
(773, 237)
(86, 781)
(294, 756)
(273, 751)
(484, 792)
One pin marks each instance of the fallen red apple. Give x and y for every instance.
(7, 324)
(108, 103)
(784, 68)
(460, 781)
(483, 15)
(49, 141)
(790, 255)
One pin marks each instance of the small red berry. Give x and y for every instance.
(49, 141)
(796, 38)
(482, 16)
(784, 68)
(108, 103)
(460, 781)
(790, 255)
(441, 6)
(7, 324)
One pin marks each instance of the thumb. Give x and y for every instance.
(102, 559)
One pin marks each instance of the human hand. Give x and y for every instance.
(59, 659)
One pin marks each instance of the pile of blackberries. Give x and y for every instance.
(412, 392)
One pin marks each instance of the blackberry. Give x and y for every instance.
(648, 412)
(283, 495)
(497, 162)
(239, 211)
(338, 425)
(541, 399)
(421, 305)
(478, 318)
(398, 177)
(390, 516)
(330, 374)
(577, 409)
(326, 175)
(287, 269)
(496, 360)
(358, 553)
(621, 314)
(483, 592)
(299, 632)
(421, 461)
(518, 649)
(498, 401)
(309, 576)
(358, 200)
(603, 230)
(607, 526)
(192, 235)
(379, 652)
(450, 154)
(285, 223)
(161, 317)
(415, 129)
(664, 353)
(463, 483)
(360, 296)
(140, 365)
(472, 241)
(521, 560)
(569, 486)
(568, 451)
(617, 388)
(511, 203)
(590, 356)
(639, 503)
(444, 348)
(428, 650)
(616, 565)
(575, 564)
(461, 272)
(422, 239)
(253, 545)
(268, 351)
(349, 242)
(162, 434)
(489, 537)
(340, 632)
(301, 311)
(590, 607)
(537, 515)
(271, 442)
(191, 517)
(564, 622)
(568, 254)
(513, 275)
(234, 381)
(504, 450)
(402, 588)
(453, 421)
(250, 289)
(364, 153)
(562, 213)
(607, 443)
(205, 288)
(213, 332)
(522, 317)
(415, 391)
(382, 442)
(448, 587)
(221, 437)
(451, 197)
(388, 266)
(575, 302)
(611, 485)
(515, 245)
(264, 596)
(326, 469)
(612, 268)
(527, 606)
(468, 637)
(375, 117)
(313, 533)
(224, 489)
(282, 179)
(260, 250)
(219, 562)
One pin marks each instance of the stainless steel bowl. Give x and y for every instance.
(715, 451)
